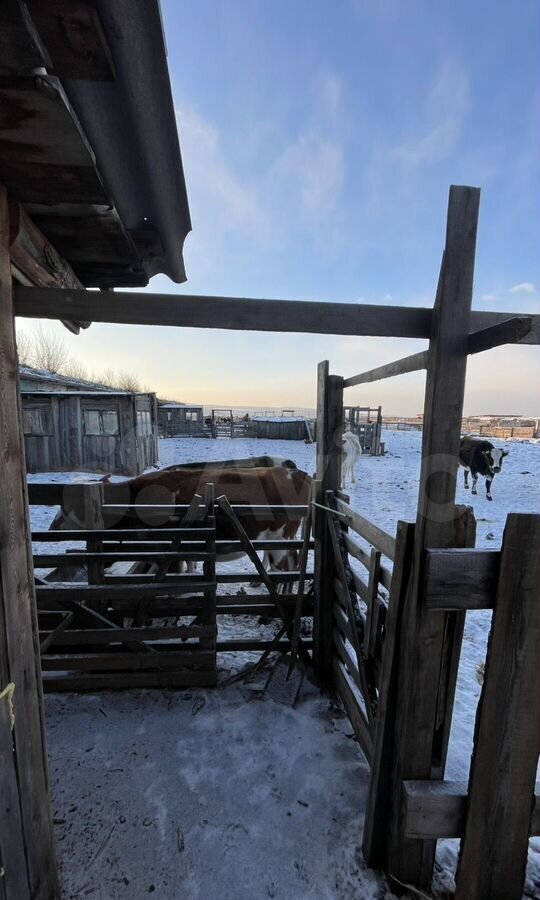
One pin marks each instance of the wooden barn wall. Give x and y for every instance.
(147, 449)
(68, 448)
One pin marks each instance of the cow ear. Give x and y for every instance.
(506, 452)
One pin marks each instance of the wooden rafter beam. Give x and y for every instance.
(413, 363)
(36, 263)
(510, 331)
(242, 314)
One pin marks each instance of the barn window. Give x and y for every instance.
(101, 421)
(192, 415)
(37, 420)
(144, 421)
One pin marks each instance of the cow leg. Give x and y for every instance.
(466, 479)
(474, 482)
(488, 489)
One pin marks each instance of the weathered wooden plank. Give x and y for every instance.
(65, 591)
(414, 363)
(303, 317)
(14, 879)
(438, 809)
(511, 331)
(493, 853)
(126, 534)
(372, 617)
(419, 742)
(329, 431)
(48, 560)
(19, 644)
(119, 662)
(104, 681)
(363, 556)
(346, 657)
(75, 637)
(461, 578)
(371, 533)
(381, 784)
(243, 314)
(352, 701)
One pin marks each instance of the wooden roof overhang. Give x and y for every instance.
(88, 142)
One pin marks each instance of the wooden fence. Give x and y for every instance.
(109, 631)
(500, 807)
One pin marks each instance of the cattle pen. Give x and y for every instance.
(388, 642)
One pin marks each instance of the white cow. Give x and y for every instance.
(352, 451)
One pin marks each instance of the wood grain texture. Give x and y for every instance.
(19, 646)
(461, 578)
(511, 331)
(507, 736)
(438, 809)
(420, 723)
(414, 363)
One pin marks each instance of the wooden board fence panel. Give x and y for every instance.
(505, 757)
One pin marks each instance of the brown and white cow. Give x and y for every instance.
(259, 486)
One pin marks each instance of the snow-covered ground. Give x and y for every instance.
(223, 758)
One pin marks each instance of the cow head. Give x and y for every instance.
(494, 460)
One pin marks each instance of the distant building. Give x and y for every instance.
(177, 419)
(72, 425)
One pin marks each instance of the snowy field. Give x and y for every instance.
(235, 777)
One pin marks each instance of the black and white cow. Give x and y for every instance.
(480, 458)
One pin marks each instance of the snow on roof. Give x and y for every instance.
(54, 378)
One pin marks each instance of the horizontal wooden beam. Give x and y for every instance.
(437, 809)
(510, 331)
(461, 579)
(242, 314)
(309, 317)
(413, 363)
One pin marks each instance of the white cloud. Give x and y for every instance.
(214, 189)
(526, 287)
(312, 169)
(446, 108)
(489, 298)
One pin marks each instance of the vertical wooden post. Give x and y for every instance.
(507, 737)
(329, 431)
(420, 738)
(208, 615)
(26, 833)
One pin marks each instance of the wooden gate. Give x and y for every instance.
(394, 657)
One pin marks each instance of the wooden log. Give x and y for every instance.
(493, 853)
(371, 533)
(127, 534)
(414, 363)
(438, 809)
(420, 724)
(83, 593)
(105, 558)
(36, 260)
(461, 579)
(509, 332)
(29, 821)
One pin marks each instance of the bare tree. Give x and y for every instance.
(127, 381)
(24, 348)
(75, 369)
(49, 351)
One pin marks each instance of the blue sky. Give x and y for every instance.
(319, 141)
